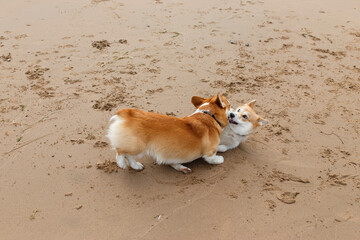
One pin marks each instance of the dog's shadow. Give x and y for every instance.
(202, 171)
(154, 175)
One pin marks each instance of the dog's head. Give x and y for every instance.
(218, 106)
(244, 119)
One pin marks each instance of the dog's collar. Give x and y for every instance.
(212, 115)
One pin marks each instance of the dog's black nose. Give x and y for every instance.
(232, 115)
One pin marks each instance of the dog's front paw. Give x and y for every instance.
(218, 160)
(222, 148)
(214, 159)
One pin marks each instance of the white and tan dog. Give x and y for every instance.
(242, 122)
(170, 140)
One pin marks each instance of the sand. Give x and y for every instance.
(67, 66)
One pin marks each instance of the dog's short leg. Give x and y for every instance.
(181, 168)
(222, 148)
(133, 163)
(120, 159)
(214, 159)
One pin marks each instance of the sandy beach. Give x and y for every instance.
(67, 66)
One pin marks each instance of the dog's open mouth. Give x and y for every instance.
(233, 121)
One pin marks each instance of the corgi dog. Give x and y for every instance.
(170, 140)
(242, 122)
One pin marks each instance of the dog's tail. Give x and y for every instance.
(114, 128)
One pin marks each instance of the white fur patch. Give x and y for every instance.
(121, 162)
(114, 117)
(199, 110)
(115, 129)
(229, 139)
(242, 128)
(214, 159)
(133, 163)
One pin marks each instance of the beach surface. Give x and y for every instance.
(67, 66)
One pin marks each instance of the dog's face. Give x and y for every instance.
(244, 119)
(219, 106)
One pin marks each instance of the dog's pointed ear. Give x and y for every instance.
(262, 121)
(252, 103)
(219, 101)
(197, 101)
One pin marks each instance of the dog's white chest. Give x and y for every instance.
(230, 139)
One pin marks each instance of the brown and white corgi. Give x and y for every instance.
(242, 122)
(170, 140)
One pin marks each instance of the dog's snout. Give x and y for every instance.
(232, 115)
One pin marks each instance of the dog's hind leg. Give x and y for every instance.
(133, 163)
(121, 162)
(181, 168)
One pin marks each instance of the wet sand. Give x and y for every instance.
(67, 66)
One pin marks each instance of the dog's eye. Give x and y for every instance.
(239, 110)
(245, 116)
